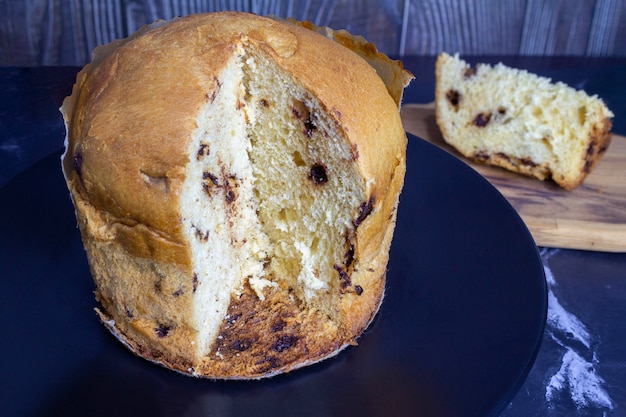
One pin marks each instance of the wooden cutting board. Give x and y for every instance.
(590, 217)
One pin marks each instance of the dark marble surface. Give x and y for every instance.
(581, 367)
(31, 126)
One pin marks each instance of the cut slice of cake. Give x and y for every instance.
(520, 121)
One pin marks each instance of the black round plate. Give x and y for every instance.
(458, 331)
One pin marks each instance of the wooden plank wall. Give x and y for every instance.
(64, 32)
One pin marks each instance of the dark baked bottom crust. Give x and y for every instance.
(257, 339)
(274, 335)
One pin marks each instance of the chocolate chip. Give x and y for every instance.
(208, 182)
(481, 119)
(454, 97)
(230, 187)
(343, 275)
(278, 326)
(216, 90)
(233, 318)
(270, 362)
(209, 176)
(302, 112)
(358, 289)
(528, 162)
(241, 345)
(365, 209)
(162, 330)
(299, 110)
(348, 258)
(469, 72)
(309, 126)
(504, 156)
(285, 342)
(200, 235)
(194, 283)
(203, 151)
(355, 152)
(482, 156)
(589, 159)
(318, 174)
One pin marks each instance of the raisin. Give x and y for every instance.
(358, 289)
(482, 119)
(285, 342)
(178, 292)
(263, 102)
(318, 174)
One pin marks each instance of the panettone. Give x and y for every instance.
(236, 180)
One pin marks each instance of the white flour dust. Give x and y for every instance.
(577, 376)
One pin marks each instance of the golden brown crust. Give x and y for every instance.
(130, 119)
(599, 141)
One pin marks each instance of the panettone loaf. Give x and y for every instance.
(236, 181)
(520, 121)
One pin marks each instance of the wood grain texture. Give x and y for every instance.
(64, 32)
(590, 217)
